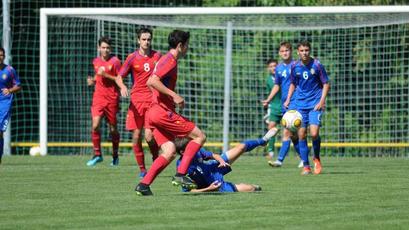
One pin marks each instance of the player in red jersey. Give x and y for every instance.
(166, 122)
(105, 100)
(141, 64)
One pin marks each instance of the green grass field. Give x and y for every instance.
(61, 192)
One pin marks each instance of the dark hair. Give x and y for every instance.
(287, 45)
(2, 49)
(304, 43)
(271, 60)
(144, 30)
(176, 37)
(181, 144)
(104, 39)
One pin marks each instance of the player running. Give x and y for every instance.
(105, 100)
(310, 82)
(281, 85)
(208, 169)
(163, 117)
(141, 64)
(9, 85)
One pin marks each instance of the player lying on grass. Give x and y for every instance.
(207, 169)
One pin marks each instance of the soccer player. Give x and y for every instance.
(310, 82)
(281, 84)
(9, 85)
(167, 123)
(208, 169)
(273, 105)
(105, 100)
(141, 64)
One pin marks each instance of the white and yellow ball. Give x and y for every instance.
(292, 120)
(36, 151)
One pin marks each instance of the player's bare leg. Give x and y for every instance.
(168, 154)
(247, 188)
(96, 141)
(113, 131)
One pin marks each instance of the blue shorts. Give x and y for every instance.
(310, 117)
(4, 117)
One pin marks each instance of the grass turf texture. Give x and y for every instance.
(61, 192)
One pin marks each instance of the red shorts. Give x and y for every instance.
(105, 108)
(167, 124)
(135, 119)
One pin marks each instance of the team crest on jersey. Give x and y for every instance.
(4, 76)
(312, 71)
(136, 66)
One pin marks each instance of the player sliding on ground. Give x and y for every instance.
(207, 169)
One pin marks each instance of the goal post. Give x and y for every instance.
(230, 106)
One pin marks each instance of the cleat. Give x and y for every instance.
(257, 188)
(275, 164)
(115, 161)
(306, 171)
(271, 133)
(183, 181)
(317, 166)
(95, 160)
(301, 164)
(143, 190)
(142, 174)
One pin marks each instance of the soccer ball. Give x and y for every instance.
(292, 120)
(35, 151)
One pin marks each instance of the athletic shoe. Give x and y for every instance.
(184, 181)
(306, 171)
(275, 164)
(143, 190)
(301, 164)
(115, 161)
(257, 188)
(271, 133)
(317, 166)
(142, 174)
(95, 159)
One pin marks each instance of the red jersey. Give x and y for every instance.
(104, 87)
(141, 68)
(166, 70)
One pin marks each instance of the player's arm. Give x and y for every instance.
(101, 71)
(122, 87)
(16, 83)
(290, 94)
(14, 89)
(325, 90)
(270, 97)
(211, 188)
(155, 82)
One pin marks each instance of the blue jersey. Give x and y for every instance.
(308, 80)
(204, 170)
(8, 79)
(283, 72)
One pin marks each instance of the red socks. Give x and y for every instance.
(157, 167)
(189, 153)
(139, 157)
(96, 142)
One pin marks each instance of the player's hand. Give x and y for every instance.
(124, 91)
(265, 103)
(90, 81)
(179, 101)
(319, 106)
(223, 164)
(101, 71)
(5, 91)
(286, 103)
(214, 186)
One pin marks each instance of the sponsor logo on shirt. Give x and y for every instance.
(312, 71)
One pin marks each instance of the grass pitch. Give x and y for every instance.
(61, 192)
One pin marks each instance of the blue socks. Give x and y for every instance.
(284, 150)
(316, 145)
(304, 151)
(251, 144)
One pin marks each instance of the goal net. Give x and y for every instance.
(223, 77)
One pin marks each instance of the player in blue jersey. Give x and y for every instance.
(273, 106)
(207, 169)
(282, 84)
(310, 82)
(9, 85)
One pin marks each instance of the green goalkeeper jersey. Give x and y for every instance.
(275, 103)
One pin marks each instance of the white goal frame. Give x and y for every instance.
(45, 12)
